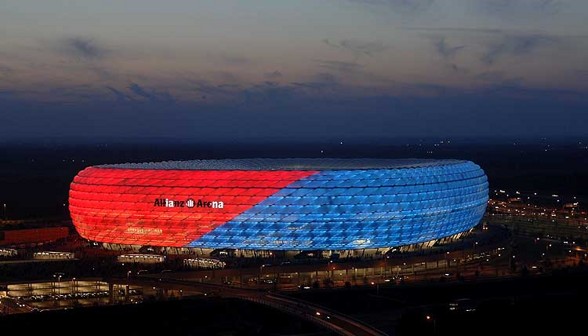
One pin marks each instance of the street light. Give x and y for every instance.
(73, 285)
(330, 268)
(377, 287)
(4, 207)
(260, 273)
(429, 318)
(127, 286)
(58, 276)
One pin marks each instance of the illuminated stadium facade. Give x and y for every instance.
(278, 204)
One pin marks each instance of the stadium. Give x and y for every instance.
(278, 204)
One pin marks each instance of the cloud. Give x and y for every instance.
(454, 68)
(273, 75)
(120, 96)
(206, 89)
(510, 8)
(228, 59)
(499, 78)
(322, 85)
(73, 93)
(448, 53)
(325, 77)
(151, 95)
(398, 6)
(340, 66)
(268, 94)
(444, 50)
(358, 47)
(455, 30)
(516, 45)
(321, 80)
(492, 45)
(84, 48)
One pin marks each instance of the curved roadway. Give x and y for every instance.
(334, 321)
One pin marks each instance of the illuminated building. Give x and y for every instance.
(278, 204)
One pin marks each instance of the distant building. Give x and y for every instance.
(278, 204)
(23, 233)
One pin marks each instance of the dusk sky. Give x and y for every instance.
(209, 71)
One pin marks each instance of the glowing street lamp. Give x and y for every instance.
(260, 272)
(58, 277)
(73, 285)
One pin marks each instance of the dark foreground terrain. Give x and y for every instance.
(543, 305)
(549, 304)
(193, 316)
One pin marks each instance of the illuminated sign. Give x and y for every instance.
(144, 231)
(189, 203)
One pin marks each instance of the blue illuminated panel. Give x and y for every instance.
(360, 208)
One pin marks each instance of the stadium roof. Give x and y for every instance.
(288, 164)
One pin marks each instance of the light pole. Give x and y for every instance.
(330, 269)
(260, 274)
(127, 287)
(4, 207)
(73, 287)
(429, 318)
(377, 287)
(59, 284)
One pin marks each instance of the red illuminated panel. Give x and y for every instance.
(151, 207)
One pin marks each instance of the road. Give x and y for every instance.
(340, 324)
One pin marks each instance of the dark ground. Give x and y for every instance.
(186, 317)
(550, 304)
